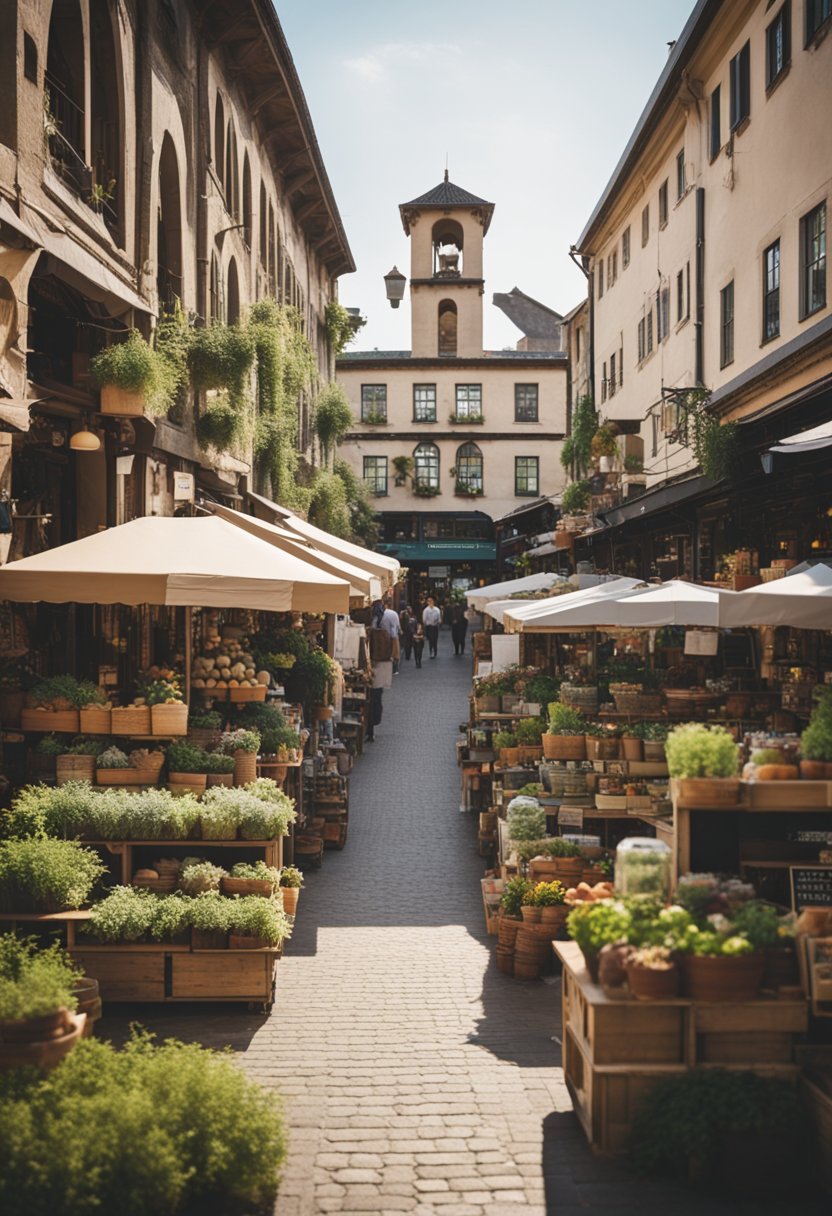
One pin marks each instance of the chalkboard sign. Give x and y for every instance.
(811, 887)
(572, 817)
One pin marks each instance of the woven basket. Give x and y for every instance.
(95, 720)
(169, 719)
(579, 697)
(126, 776)
(163, 885)
(226, 779)
(681, 702)
(61, 720)
(769, 573)
(290, 896)
(130, 720)
(74, 768)
(257, 693)
(203, 736)
(247, 886)
(608, 749)
(653, 750)
(564, 747)
(245, 767)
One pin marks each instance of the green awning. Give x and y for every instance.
(438, 552)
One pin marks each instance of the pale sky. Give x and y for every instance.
(531, 101)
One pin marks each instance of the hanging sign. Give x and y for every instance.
(700, 641)
(811, 887)
(571, 817)
(183, 487)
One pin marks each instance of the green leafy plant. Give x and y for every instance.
(42, 875)
(504, 738)
(597, 924)
(538, 688)
(575, 498)
(50, 745)
(605, 441)
(633, 464)
(126, 915)
(759, 922)
(532, 789)
(173, 1129)
(257, 916)
(696, 750)
(715, 443)
(81, 746)
(529, 731)
(217, 762)
(816, 740)
(526, 819)
(584, 427)
(341, 326)
(171, 917)
(332, 417)
(112, 757)
(33, 981)
(257, 869)
(206, 720)
(291, 877)
(134, 366)
(185, 757)
(564, 720)
(65, 692)
(514, 893)
(198, 875)
(209, 912)
(557, 846)
(403, 466)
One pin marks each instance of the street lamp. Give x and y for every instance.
(84, 440)
(394, 282)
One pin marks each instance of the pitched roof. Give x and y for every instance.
(446, 196)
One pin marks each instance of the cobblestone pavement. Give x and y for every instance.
(416, 1077)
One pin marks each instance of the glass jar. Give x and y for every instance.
(642, 867)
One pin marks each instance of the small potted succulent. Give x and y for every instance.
(565, 738)
(652, 974)
(704, 760)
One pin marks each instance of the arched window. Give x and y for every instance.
(446, 239)
(64, 84)
(426, 466)
(232, 295)
(447, 327)
(219, 141)
(106, 110)
(246, 216)
(216, 303)
(469, 469)
(169, 229)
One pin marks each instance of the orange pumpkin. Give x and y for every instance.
(777, 772)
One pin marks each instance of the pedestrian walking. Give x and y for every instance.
(431, 618)
(390, 622)
(380, 644)
(418, 641)
(406, 624)
(459, 628)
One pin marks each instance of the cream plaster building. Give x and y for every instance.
(448, 436)
(150, 151)
(707, 250)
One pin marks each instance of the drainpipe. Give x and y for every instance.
(700, 287)
(583, 266)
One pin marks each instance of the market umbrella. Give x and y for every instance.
(362, 583)
(385, 568)
(585, 609)
(673, 603)
(479, 597)
(803, 601)
(195, 562)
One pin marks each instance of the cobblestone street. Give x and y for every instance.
(416, 1077)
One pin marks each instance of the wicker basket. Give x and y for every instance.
(245, 767)
(203, 736)
(62, 721)
(130, 720)
(247, 886)
(169, 719)
(564, 747)
(769, 573)
(95, 720)
(580, 697)
(194, 781)
(74, 768)
(608, 749)
(226, 779)
(163, 885)
(249, 693)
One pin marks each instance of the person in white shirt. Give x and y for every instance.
(390, 622)
(431, 618)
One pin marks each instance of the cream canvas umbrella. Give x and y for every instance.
(202, 562)
(673, 603)
(385, 568)
(478, 597)
(803, 601)
(362, 582)
(585, 609)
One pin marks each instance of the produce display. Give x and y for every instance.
(227, 664)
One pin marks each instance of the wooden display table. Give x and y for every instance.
(615, 1051)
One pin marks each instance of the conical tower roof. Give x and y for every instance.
(446, 196)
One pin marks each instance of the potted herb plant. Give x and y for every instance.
(124, 916)
(506, 743)
(565, 860)
(45, 875)
(219, 769)
(704, 760)
(291, 881)
(565, 738)
(209, 917)
(243, 745)
(187, 767)
(198, 875)
(652, 974)
(816, 740)
(134, 379)
(721, 966)
(549, 898)
(511, 904)
(595, 925)
(248, 878)
(529, 732)
(256, 923)
(37, 1002)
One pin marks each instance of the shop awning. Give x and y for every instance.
(673, 603)
(805, 441)
(383, 567)
(197, 562)
(580, 610)
(478, 597)
(438, 552)
(657, 500)
(14, 414)
(362, 583)
(803, 601)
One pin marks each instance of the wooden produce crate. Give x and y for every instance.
(787, 795)
(169, 720)
(130, 720)
(64, 721)
(95, 720)
(747, 1032)
(176, 973)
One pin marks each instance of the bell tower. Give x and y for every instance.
(446, 227)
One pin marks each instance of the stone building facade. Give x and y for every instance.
(153, 153)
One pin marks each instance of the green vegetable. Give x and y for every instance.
(695, 750)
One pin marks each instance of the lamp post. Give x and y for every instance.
(394, 282)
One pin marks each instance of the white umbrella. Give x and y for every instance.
(674, 603)
(478, 597)
(579, 610)
(803, 601)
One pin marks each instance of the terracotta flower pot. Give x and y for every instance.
(815, 770)
(37, 1030)
(564, 747)
(530, 915)
(510, 756)
(632, 748)
(652, 984)
(290, 897)
(723, 977)
(653, 750)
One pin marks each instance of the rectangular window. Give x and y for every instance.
(645, 225)
(655, 445)
(641, 350)
(726, 325)
(716, 125)
(663, 204)
(613, 267)
(373, 402)
(424, 403)
(604, 382)
(681, 184)
(578, 343)
(469, 400)
(818, 13)
(680, 296)
(621, 362)
(740, 86)
(778, 45)
(613, 383)
(625, 248)
(527, 476)
(649, 331)
(600, 277)
(771, 292)
(375, 474)
(662, 313)
(525, 402)
(813, 261)
(687, 289)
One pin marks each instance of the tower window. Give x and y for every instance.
(447, 328)
(30, 58)
(447, 240)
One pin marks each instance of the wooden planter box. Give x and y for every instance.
(95, 720)
(130, 720)
(74, 768)
(62, 721)
(169, 719)
(121, 402)
(256, 693)
(175, 973)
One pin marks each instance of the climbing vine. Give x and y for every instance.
(333, 418)
(340, 326)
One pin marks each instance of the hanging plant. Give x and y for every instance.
(404, 467)
(575, 498)
(133, 365)
(221, 356)
(604, 441)
(715, 445)
(333, 417)
(219, 425)
(172, 341)
(341, 327)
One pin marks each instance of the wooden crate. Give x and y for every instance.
(130, 720)
(748, 1032)
(124, 973)
(625, 1032)
(223, 975)
(787, 795)
(57, 720)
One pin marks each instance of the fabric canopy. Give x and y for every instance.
(362, 583)
(478, 597)
(803, 601)
(805, 441)
(674, 603)
(385, 568)
(579, 610)
(202, 562)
